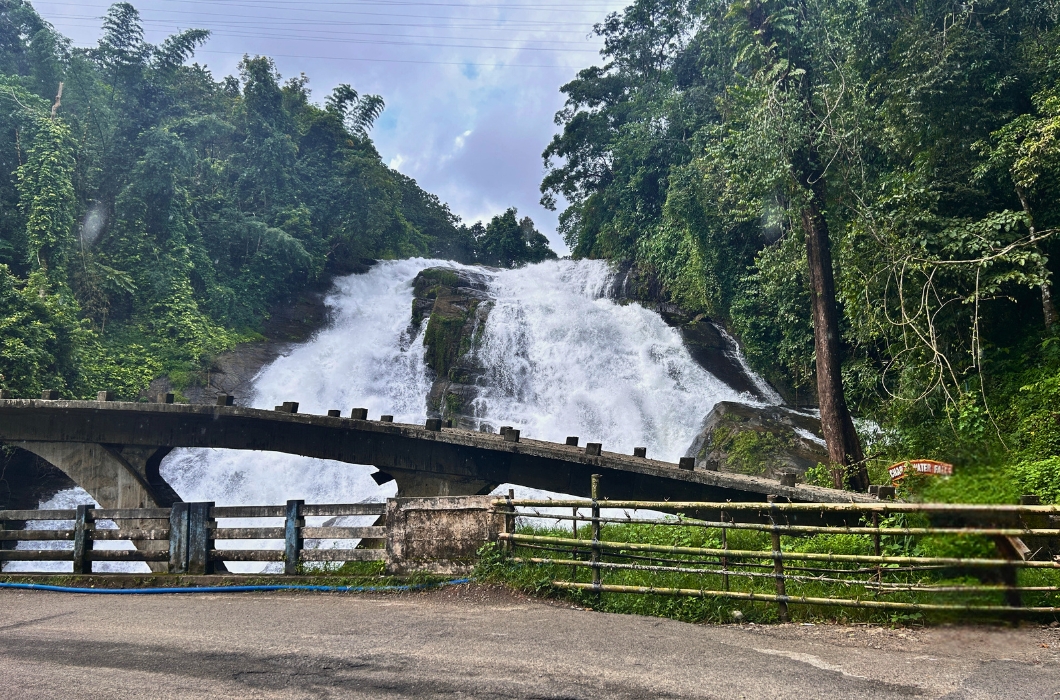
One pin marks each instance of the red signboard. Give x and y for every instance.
(921, 466)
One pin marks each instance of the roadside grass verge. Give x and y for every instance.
(811, 579)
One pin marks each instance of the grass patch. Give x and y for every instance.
(813, 579)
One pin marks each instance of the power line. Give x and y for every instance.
(316, 32)
(184, 13)
(325, 23)
(367, 42)
(580, 7)
(393, 60)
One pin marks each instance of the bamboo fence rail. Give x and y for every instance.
(1026, 538)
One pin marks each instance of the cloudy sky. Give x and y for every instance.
(471, 86)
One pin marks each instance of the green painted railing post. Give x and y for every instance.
(292, 540)
(83, 540)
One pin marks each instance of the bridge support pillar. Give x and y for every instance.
(416, 484)
(115, 477)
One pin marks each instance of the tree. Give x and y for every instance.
(786, 52)
(47, 196)
(510, 242)
(1027, 151)
(202, 202)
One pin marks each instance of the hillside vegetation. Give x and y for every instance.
(864, 191)
(150, 214)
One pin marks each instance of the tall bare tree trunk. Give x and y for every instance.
(844, 447)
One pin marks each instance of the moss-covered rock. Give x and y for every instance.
(758, 440)
(455, 304)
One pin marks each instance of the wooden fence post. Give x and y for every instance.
(574, 549)
(724, 545)
(293, 537)
(778, 563)
(178, 539)
(200, 538)
(509, 520)
(877, 549)
(595, 557)
(83, 540)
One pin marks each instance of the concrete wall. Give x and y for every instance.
(438, 535)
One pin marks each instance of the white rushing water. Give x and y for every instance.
(564, 360)
(561, 360)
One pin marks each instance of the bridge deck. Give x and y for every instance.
(449, 453)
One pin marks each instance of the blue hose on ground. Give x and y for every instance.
(234, 589)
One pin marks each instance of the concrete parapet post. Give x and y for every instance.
(200, 538)
(359, 414)
(83, 540)
(439, 535)
(104, 396)
(49, 395)
(292, 541)
(178, 538)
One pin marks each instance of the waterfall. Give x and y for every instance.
(561, 359)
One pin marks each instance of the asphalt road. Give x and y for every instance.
(482, 643)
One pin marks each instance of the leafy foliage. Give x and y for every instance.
(202, 204)
(929, 132)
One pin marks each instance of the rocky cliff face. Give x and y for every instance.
(455, 304)
(746, 439)
(708, 343)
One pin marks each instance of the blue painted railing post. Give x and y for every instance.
(200, 538)
(83, 540)
(178, 539)
(293, 537)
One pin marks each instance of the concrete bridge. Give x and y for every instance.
(113, 450)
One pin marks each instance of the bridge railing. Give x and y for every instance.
(902, 557)
(190, 538)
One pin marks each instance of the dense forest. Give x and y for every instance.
(151, 215)
(864, 191)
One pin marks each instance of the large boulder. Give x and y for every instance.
(455, 304)
(758, 440)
